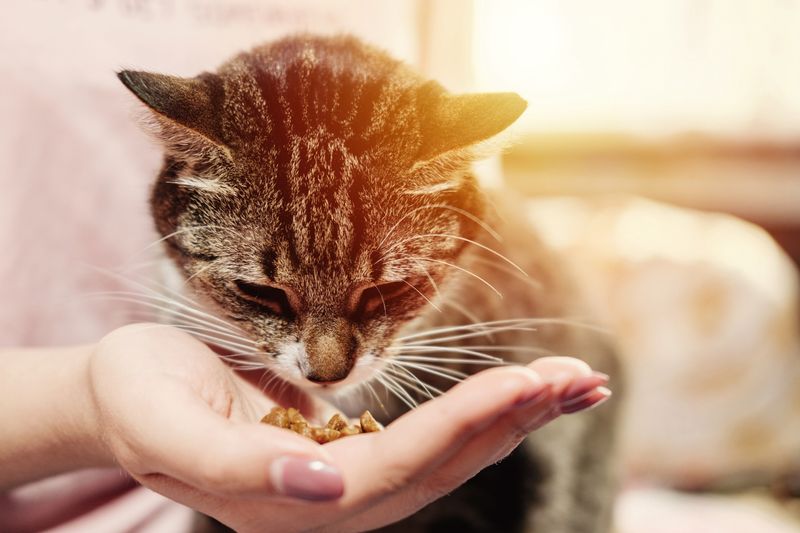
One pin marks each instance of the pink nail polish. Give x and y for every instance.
(306, 479)
(582, 386)
(588, 401)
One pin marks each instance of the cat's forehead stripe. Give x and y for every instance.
(305, 90)
(316, 129)
(294, 107)
(321, 204)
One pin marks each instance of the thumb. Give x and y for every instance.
(192, 443)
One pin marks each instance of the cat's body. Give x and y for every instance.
(318, 194)
(561, 480)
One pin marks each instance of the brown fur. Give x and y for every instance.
(317, 193)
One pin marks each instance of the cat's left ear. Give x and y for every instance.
(183, 107)
(449, 121)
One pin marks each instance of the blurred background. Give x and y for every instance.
(695, 102)
(660, 152)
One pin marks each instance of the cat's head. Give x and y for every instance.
(317, 192)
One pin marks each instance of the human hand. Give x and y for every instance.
(183, 423)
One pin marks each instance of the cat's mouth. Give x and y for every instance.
(358, 375)
(365, 369)
(291, 365)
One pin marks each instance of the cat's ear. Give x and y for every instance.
(183, 108)
(452, 121)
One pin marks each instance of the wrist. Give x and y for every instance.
(83, 435)
(48, 415)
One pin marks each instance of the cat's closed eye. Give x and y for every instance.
(376, 298)
(273, 299)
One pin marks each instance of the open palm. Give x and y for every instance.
(185, 424)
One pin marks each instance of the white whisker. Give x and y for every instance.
(222, 343)
(396, 389)
(420, 293)
(190, 327)
(174, 316)
(464, 270)
(382, 300)
(448, 360)
(464, 311)
(371, 389)
(222, 336)
(148, 299)
(199, 271)
(491, 348)
(178, 232)
(151, 291)
(438, 372)
(451, 349)
(432, 281)
(448, 329)
(413, 376)
(470, 335)
(400, 378)
(458, 210)
(505, 322)
(218, 342)
(458, 238)
(532, 282)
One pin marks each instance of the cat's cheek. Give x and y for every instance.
(289, 359)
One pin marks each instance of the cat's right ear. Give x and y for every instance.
(454, 121)
(183, 109)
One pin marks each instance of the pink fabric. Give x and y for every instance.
(80, 501)
(74, 175)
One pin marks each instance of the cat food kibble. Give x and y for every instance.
(368, 423)
(336, 422)
(336, 427)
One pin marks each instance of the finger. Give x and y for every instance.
(492, 444)
(560, 371)
(187, 440)
(510, 430)
(378, 464)
(578, 391)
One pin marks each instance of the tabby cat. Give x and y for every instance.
(318, 194)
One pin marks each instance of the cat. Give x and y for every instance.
(318, 194)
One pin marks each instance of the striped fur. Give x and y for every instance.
(309, 150)
(322, 168)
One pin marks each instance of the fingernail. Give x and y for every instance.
(306, 479)
(582, 386)
(588, 401)
(534, 397)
